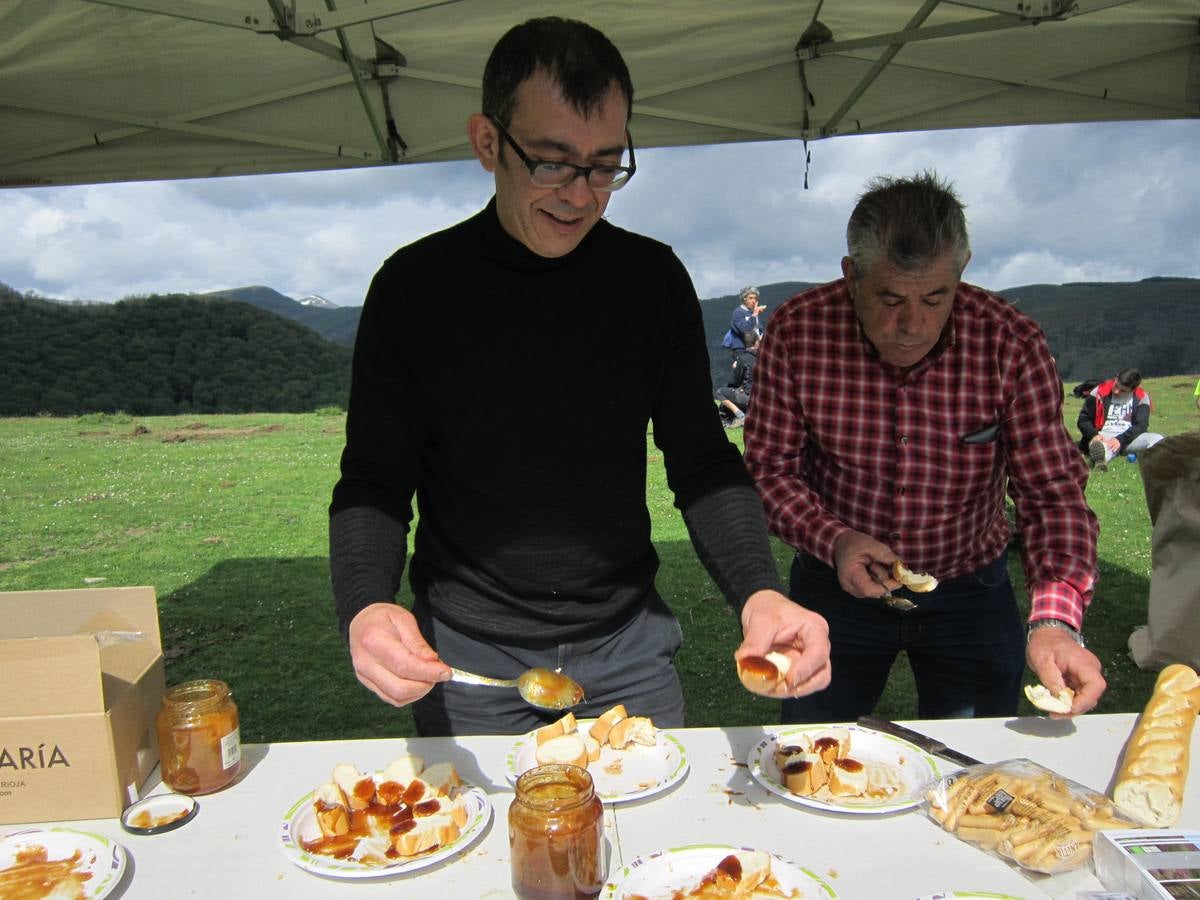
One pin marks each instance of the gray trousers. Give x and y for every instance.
(630, 662)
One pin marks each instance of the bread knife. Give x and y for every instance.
(924, 741)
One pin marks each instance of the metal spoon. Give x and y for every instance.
(539, 687)
(903, 604)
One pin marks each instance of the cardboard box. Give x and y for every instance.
(1149, 863)
(81, 680)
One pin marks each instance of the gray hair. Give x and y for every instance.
(747, 291)
(909, 222)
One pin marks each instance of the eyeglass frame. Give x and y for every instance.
(531, 164)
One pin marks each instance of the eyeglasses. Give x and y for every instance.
(560, 174)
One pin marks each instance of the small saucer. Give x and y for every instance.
(159, 813)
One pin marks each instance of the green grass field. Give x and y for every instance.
(226, 517)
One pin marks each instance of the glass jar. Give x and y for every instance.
(556, 835)
(199, 744)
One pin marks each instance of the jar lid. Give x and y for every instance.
(159, 813)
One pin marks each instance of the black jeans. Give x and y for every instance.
(630, 662)
(965, 644)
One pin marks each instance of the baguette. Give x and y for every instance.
(358, 787)
(425, 834)
(333, 817)
(1153, 773)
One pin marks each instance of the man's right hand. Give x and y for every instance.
(864, 566)
(391, 657)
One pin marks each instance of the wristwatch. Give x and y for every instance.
(1055, 623)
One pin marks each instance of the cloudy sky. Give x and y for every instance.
(1046, 204)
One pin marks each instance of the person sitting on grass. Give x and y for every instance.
(735, 397)
(1114, 419)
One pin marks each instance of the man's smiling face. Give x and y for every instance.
(552, 221)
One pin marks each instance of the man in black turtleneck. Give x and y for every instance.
(533, 543)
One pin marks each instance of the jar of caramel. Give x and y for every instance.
(199, 745)
(556, 835)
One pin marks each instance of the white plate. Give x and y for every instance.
(916, 768)
(99, 857)
(620, 776)
(300, 823)
(661, 874)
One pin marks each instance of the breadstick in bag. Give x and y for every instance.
(1153, 773)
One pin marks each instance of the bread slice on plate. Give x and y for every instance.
(426, 834)
(848, 778)
(333, 816)
(442, 778)
(632, 730)
(567, 749)
(358, 787)
(607, 719)
(803, 773)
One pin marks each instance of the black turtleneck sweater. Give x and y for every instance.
(521, 426)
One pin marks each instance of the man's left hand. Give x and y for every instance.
(1057, 661)
(770, 621)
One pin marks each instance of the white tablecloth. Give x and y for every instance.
(232, 849)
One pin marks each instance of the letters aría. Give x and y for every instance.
(38, 757)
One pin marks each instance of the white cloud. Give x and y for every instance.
(1050, 204)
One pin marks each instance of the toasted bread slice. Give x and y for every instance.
(1039, 695)
(333, 815)
(568, 749)
(358, 788)
(632, 730)
(605, 722)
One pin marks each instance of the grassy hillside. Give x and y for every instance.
(226, 517)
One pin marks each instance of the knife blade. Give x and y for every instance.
(924, 741)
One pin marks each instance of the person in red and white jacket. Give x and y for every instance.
(1114, 419)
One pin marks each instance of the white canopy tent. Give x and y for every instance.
(122, 90)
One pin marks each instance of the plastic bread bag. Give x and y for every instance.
(1023, 812)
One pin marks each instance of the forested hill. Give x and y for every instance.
(162, 355)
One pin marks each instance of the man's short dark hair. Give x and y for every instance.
(1129, 378)
(908, 222)
(577, 57)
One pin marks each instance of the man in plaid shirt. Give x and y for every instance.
(892, 409)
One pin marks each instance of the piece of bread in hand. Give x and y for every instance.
(918, 582)
(1039, 695)
(333, 815)
(358, 788)
(1154, 767)
(632, 730)
(763, 674)
(567, 749)
(606, 720)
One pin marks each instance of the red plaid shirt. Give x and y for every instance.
(837, 439)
